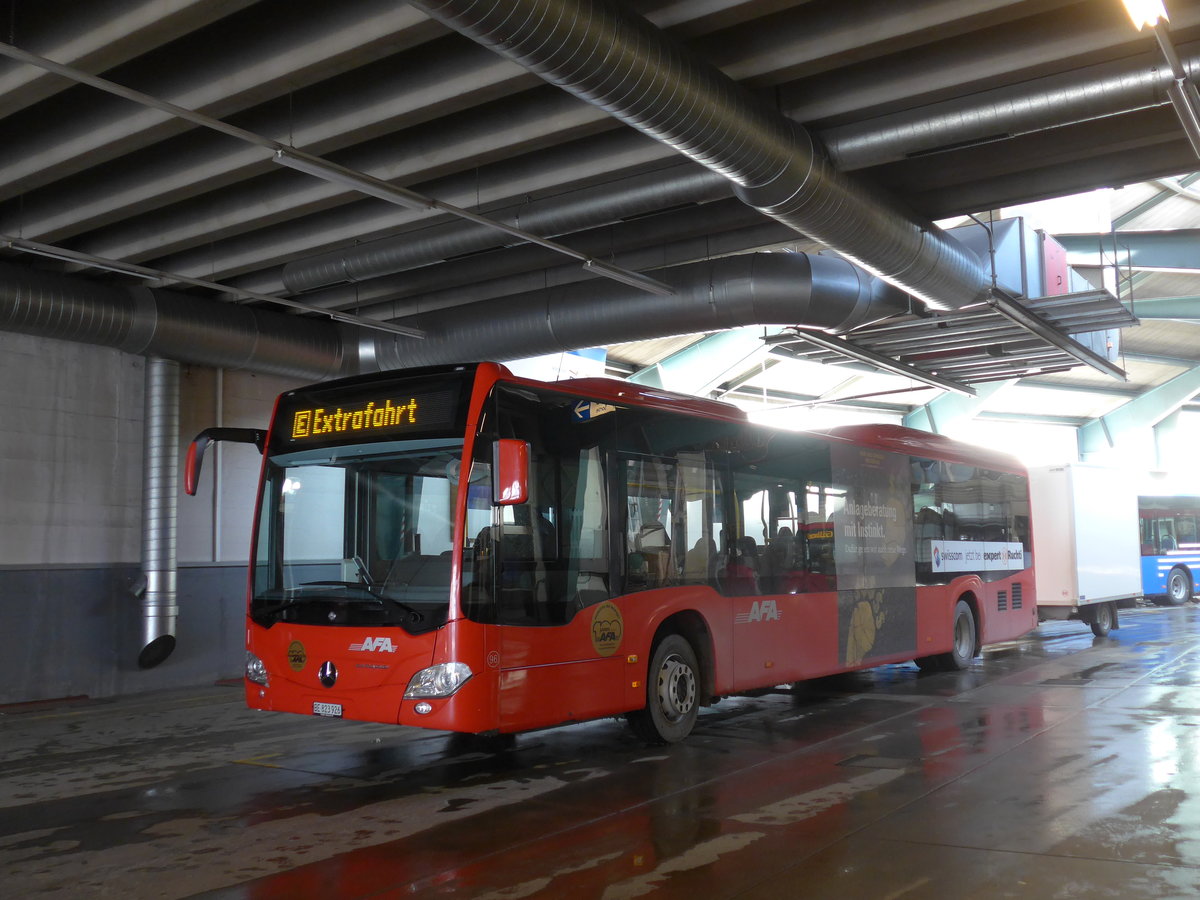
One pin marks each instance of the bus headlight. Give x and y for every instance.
(441, 680)
(255, 670)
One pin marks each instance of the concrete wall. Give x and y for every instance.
(70, 521)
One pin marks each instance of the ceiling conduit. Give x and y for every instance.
(621, 63)
(167, 324)
(1050, 102)
(825, 292)
(602, 204)
(756, 289)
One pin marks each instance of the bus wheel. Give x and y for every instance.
(963, 650)
(672, 694)
(1102, 620)
(1179, 586)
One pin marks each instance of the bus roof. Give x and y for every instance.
(894, 438)
(899, 439)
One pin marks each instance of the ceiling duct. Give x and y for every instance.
(756, 289)
(562, 214)
(829, 293)
(1043, 103)
(166, 324)
(623, 64)
(1053, 101)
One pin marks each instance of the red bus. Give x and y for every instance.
(457, 548)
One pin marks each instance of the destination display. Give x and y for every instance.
(325, 419)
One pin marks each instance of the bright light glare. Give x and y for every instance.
(1145, 12)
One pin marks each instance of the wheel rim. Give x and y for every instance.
(676, 688)
(1104, 617)
(963, 639)
(1178, 587)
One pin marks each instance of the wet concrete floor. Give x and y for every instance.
(1059, 766)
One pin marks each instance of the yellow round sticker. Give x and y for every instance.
(296, 655)
(606, 629)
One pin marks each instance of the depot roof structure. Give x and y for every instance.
(315, 189)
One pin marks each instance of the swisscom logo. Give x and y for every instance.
(937, 558)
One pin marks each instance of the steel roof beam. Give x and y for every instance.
(946, 412)
(1142, 412)
(700, 367)
(1155, 249)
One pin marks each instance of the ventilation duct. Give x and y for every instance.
(167, 324)
(1053, 101)
(160, 490)
(562, 214)
(1050, 102)
(672, 238)
(624, 65)
(754, 289)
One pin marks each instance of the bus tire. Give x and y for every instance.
(1102, 620)
(672, 693)
(1179, 586)
(963, 649)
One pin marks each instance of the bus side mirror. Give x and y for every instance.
(510, 472)
(195, 454)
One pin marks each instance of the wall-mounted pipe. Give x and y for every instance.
(620, 62)
(160, 490)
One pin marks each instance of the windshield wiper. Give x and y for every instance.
(415, 615)
(282, 605)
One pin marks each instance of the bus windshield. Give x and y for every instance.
(359, 535)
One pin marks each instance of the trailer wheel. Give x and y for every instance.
(672, 693)
(1102, 620)
(1179, 586)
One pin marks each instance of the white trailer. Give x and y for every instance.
(1085, 543)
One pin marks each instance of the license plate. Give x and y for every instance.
(327, 709)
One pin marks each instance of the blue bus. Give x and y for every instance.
(1170, 547)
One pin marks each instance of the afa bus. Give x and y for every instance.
(457, 548)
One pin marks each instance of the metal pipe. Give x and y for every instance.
(553, 216)
(619, 62)
(822, 292)
(167, 324)
(160, 490)
(757, 289)
(1092, 93)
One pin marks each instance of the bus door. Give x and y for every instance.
(560, 637)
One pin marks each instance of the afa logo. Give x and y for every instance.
(372, 644)
(765, 611)
(760, 611)
(607, 629)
